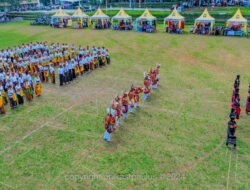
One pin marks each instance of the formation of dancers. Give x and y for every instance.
(234, 114)
(128, 101)
(24, 68)
(248, 102)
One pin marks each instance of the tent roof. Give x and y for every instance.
(99, 14)
(237, 18)
(205, 17)
(60, 14)
(146, 16)
(79, 14)
(175, 15)
(121, 15)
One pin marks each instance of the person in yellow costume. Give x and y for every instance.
(38, 85)
(46, 73)
(12, 97)
(2, 104)
(19, 93)
(3, 93)
(28, 90)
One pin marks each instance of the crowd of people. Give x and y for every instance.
(128, 101)
(24, 68)
(234, 114)
(123, 25)
(81, 61)
(203, 28)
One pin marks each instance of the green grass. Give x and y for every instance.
(176, 138)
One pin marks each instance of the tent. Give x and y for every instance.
(100, 19)
(174, 17)
(80, 18)
(238, 19)
(61, 19)
(207, 20)
(124, 21)
(146, 22)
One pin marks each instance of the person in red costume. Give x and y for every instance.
(138, 91)
(109, 126)
(124, 105)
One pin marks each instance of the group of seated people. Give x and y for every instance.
(203, 28)
(147, 26)
(174, 28)
(99, 24)
(61, 23)
(81, 24)
(123, 25)
(234, 30)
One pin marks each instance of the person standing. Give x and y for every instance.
(52, 74)
(19, 93)
(12, 97)
(61, 75)
(38, 85)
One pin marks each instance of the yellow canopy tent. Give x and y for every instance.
(146, 22)
(99, 15)
(121, 15)
(60, 15)
(174, 16)
(122, 21)
(146, 16)
(238, 19)
(79, 16)
(205, 18)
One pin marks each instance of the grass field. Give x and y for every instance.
(176, 140)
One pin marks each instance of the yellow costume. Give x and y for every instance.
(38, 89)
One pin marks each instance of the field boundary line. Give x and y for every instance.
(35, 130)
(199, 160)
(229, 169)
(6, 185)
(101, 177)
(236, 167)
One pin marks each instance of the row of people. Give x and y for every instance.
(248, 101)
(32, 56)
(41, 57)
(33, 63)
(234, 114)
(126, 103)
(73, 68)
